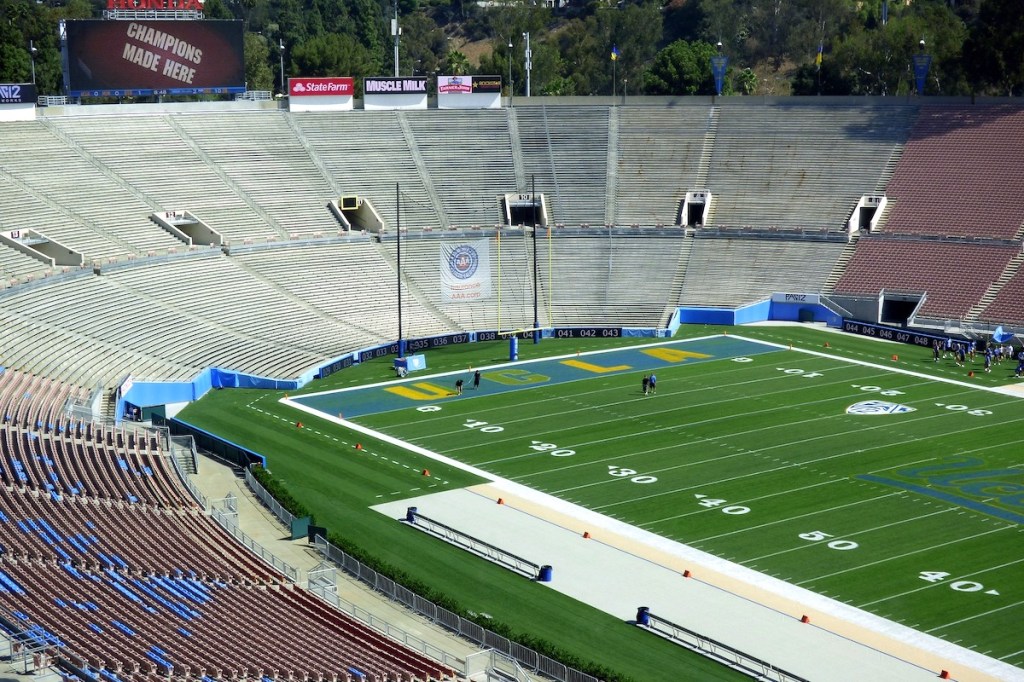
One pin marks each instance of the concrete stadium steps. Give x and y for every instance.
(165, 168)
(510, 305)
(329, 277)
(69, 200)
(734, 271)
(610, 275)
(800, 166)
(659, 157)
(262, 156)
(565, 154)
(956, 175)
(367, 155)
(466, 156)
(955, 274)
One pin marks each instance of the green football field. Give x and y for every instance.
(892, 486)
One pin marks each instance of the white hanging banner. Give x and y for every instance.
(466, 271)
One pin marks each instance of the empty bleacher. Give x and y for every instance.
(800, 166)
(467, 156)
(960, 174)
(510, 305)
(350, 282)
(1008, 305)
(108, 563)
(367, 154)
(165, 168)
(565, 154)
(609, 277)
(659, 154)
(89, 212)
(954, 274)
(262, 156)
(735, 271)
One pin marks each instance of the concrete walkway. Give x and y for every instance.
(620, 568)
(216, 480)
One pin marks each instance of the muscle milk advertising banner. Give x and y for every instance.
(395, 93)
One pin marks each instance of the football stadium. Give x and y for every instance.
(576, 389)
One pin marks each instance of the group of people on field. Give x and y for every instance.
(650, 384)
(963, 351)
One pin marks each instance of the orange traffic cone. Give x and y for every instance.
(426, 472)
(298, 425)
(359, 446)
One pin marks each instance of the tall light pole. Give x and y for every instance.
(511, 85)
(280, 48)
(529, 64)
(396, 32)
(32, 50)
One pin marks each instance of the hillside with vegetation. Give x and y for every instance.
(775, 47)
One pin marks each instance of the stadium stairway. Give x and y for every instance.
(517, 149)
(840, 266)
(995, 287)
(199, 151)
(709, 144)
(421, 168)
(313, 156)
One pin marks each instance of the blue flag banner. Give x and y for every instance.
(999, 336)
(719, 64)
(922, 62)
(615, 53)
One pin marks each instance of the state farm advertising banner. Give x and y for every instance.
(321, 94)
(468, 92)
(395, 93)
(321, 87)
(114, 58)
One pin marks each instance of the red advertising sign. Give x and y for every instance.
(147, 57)
(321, 87)
(196, 5)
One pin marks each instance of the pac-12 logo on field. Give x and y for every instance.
(878, 407)
(463, 262)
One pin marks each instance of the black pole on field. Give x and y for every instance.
(533, 202)
(398, 240)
